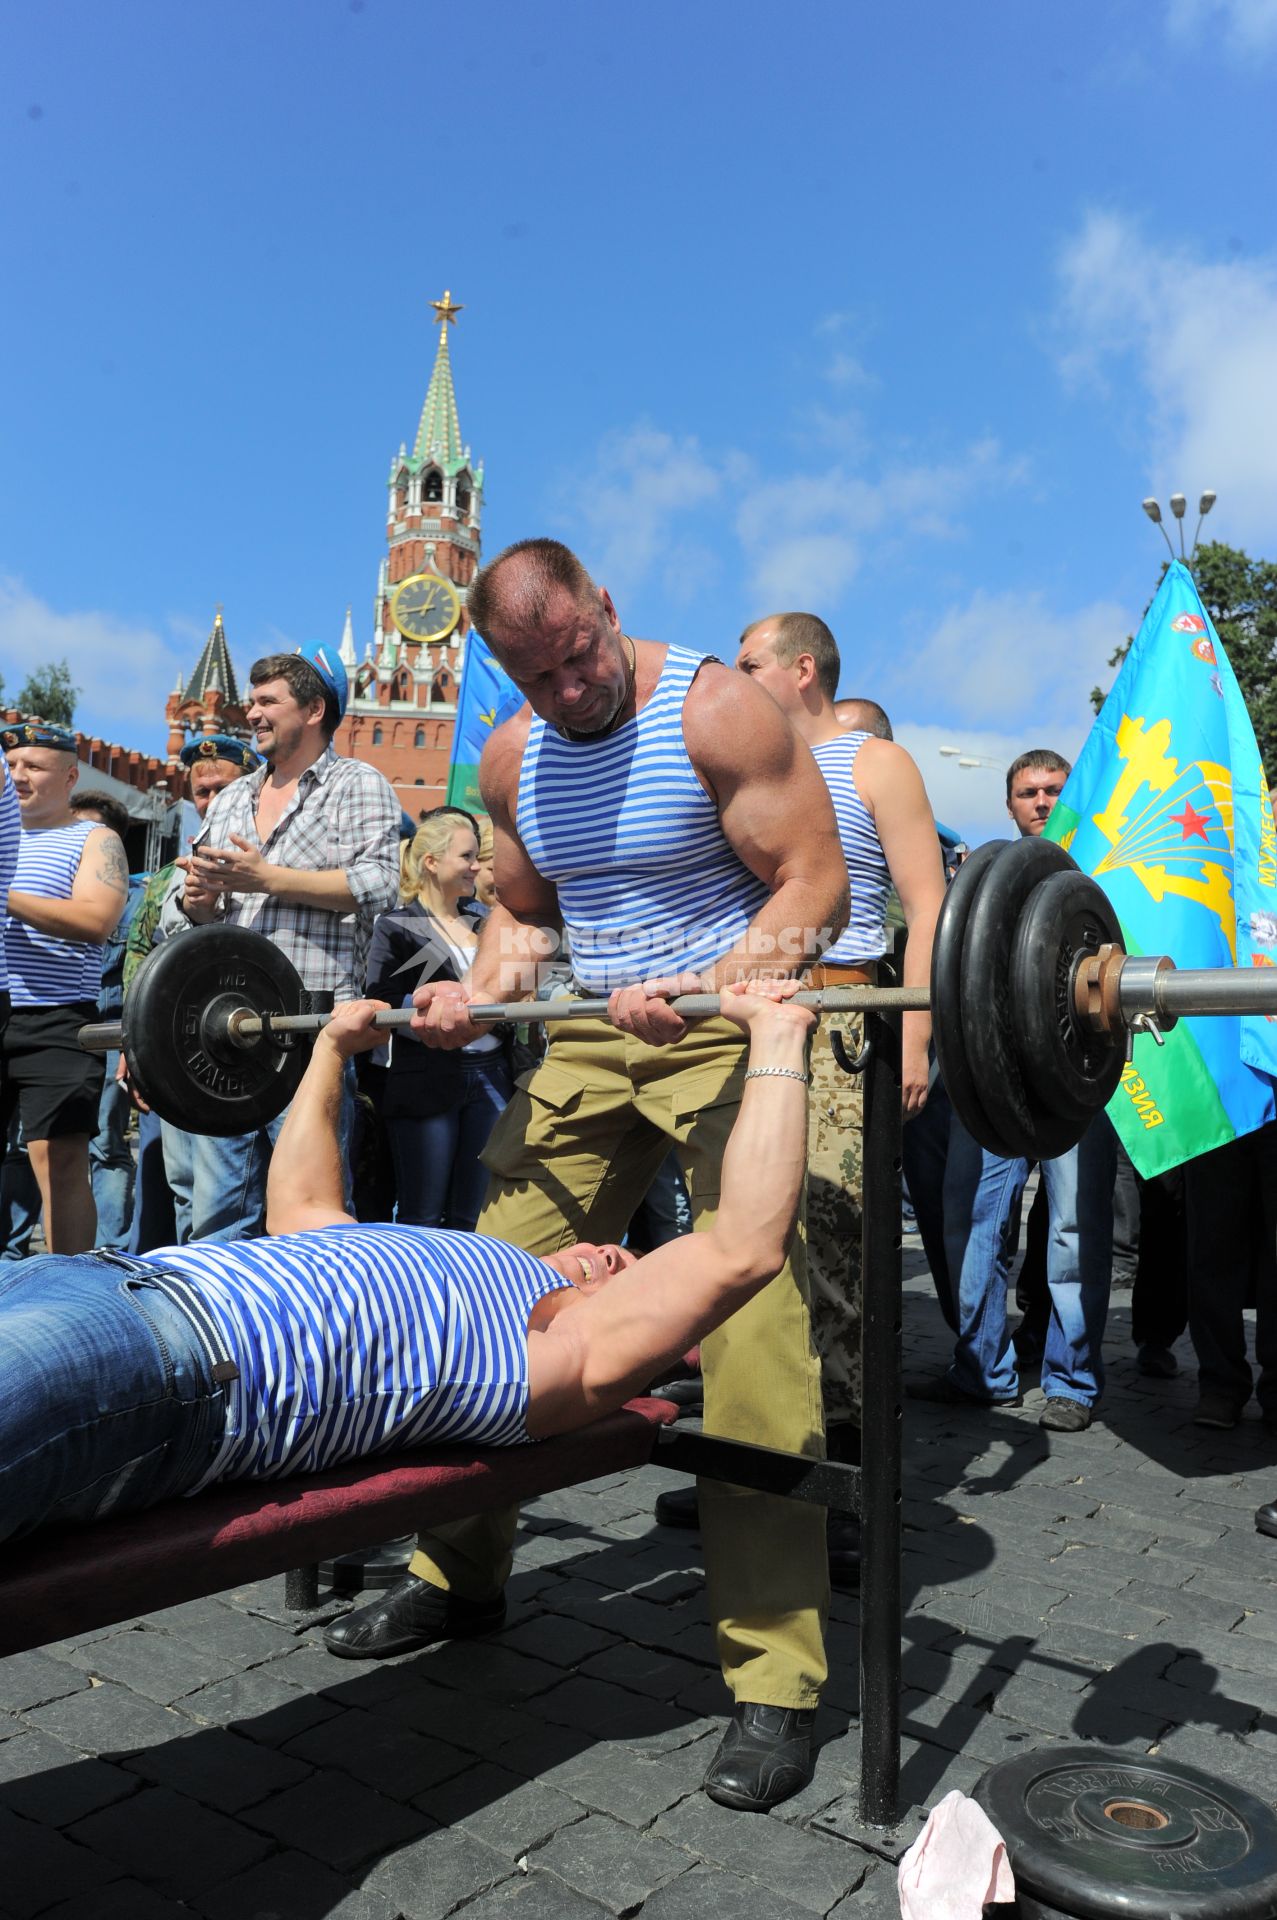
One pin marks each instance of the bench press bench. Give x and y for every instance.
(71, 1580)
(75, 1580)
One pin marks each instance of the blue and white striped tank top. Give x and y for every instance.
(647, 882)
(865, 935)
(45, 971)
(352, 1340)
(10, 833)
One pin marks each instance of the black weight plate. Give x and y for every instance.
(988, 1014)
(1197, 1848)
(1067, 1066)
(946, 986)
(181, 1061)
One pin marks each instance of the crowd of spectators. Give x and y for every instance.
(742, 808)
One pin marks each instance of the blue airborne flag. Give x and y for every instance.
(487, 697)
(1168, 808)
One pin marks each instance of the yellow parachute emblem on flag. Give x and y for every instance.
(1165, 843)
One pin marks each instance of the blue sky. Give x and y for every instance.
(891, 312)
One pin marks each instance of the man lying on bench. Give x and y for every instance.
(127, 1382)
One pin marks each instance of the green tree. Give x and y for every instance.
(1240, 595)
(51, 693)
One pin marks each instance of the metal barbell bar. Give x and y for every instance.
(1147, 988)
(243, 1026)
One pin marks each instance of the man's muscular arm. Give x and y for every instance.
(776, 814)
(97, 898)
(305, 1187)
(889, 783)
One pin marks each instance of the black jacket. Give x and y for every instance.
(422, 1080)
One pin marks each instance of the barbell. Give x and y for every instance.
(1033, 1001)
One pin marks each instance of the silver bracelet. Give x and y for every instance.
(784, 1073)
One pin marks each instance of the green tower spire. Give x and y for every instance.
(439, 434)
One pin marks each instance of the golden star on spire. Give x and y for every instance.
(445, 311)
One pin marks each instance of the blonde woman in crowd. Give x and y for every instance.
(438, 1108)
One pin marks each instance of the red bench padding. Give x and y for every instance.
(70, 1581)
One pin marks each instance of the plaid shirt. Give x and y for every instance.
(344, 815)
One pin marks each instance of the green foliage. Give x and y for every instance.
(1240, 595)
(50, 693)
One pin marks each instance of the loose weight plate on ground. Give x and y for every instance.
(177, 1039)
(1092, 1834)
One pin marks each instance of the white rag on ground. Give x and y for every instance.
(957, 1866)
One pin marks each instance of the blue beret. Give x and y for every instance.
(38, 733)
(328, 665)
(221, 746)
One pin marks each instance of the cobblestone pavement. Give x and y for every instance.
(1106, 1586)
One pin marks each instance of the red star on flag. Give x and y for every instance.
(1192, 823)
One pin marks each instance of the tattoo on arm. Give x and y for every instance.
(113, 869)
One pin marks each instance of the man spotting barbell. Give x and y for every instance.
(128, 1382)
(665, 814)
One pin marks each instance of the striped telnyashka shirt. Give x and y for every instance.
(646, 879)
(865, 935)
(10, 833)
(352, 1340)
(45, 971)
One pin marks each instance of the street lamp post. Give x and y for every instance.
(1178, 506)
(965, 759)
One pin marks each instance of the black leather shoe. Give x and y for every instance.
(765, 1756)
(678, 1508)
(687, 1395)
(411, 1614)
(1266, 1519)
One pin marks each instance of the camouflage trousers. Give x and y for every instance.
(835, 1193)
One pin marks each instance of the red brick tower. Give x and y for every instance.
(404, 689)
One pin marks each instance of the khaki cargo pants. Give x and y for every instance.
(569, 1160)
(835, 1201)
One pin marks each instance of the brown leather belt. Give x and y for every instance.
(822, 976)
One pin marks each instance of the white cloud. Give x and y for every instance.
(1200, 338)
(644, 485)
(805, 535)
(1248, 27)
(846, 370)
(1010, 657)
(125, 672)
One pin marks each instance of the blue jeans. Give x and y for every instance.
(980, 1195)
(179, 1172)
(20, 1201)
(228, 1186)
(152, 1201)
(439, 1176)
(111, 1162)
(925, 1153)
(108, 1401)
